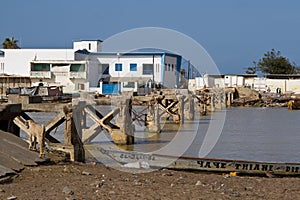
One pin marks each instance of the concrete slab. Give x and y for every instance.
(10, 163)
(4, 171)
(17, 150)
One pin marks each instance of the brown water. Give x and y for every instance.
(258, 134)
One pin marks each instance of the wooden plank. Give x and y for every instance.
(21, 124)
(43, 107)
(103, 120)
(89, 134)
(55, 122)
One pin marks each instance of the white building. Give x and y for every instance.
(86, 68)
(209, 80)
(239, 80)
(73, 75)
(118, 72)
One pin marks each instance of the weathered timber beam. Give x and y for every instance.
(168, 108)
(97, 119)
(107, 118)
(143, 98)
(21, 124)
(43, 107)
(55, 122)
(100, 116)
(89, 134)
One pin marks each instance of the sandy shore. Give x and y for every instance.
(65, 180)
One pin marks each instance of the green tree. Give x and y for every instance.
(273, 63)
(10, 43)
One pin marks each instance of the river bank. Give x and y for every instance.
(64, 180)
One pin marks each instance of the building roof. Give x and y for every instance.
(283, 76)
(126, 79)
(59, 61)
(126, 53)
(91, 40)
(243, 75)
(214, 75)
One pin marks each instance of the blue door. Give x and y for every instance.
(110, 88)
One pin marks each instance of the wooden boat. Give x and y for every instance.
(145, 160)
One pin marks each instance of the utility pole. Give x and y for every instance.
(188, 75)
(153, 72)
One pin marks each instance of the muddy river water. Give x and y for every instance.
(257, 134)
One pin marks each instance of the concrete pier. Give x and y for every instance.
(125, 133)
(189, 106)
(153, 117)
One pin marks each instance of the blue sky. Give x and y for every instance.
(234, 32)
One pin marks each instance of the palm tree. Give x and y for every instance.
(10, 43)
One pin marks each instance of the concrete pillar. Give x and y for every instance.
(71, 138)
(229, 99)
(180, 107)
(124, 135)
(203, 110)
(212, 102)
(153, 118)
(79, 116)
(190, 108)
(218, 99)
(13, 128)
(224, 103)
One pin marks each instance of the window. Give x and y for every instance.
(77, 68)
(169, 67)
(40, 67)
(147, 69)
(166, 67)
(118, 67)
(80, 86)
(89, 46)
(172, 67)
(133, 67)
(104, 69)
(129, 84)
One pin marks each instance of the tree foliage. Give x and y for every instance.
(273, 63)
(10, 43)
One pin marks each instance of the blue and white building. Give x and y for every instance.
(86, 68)
(119, 72)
